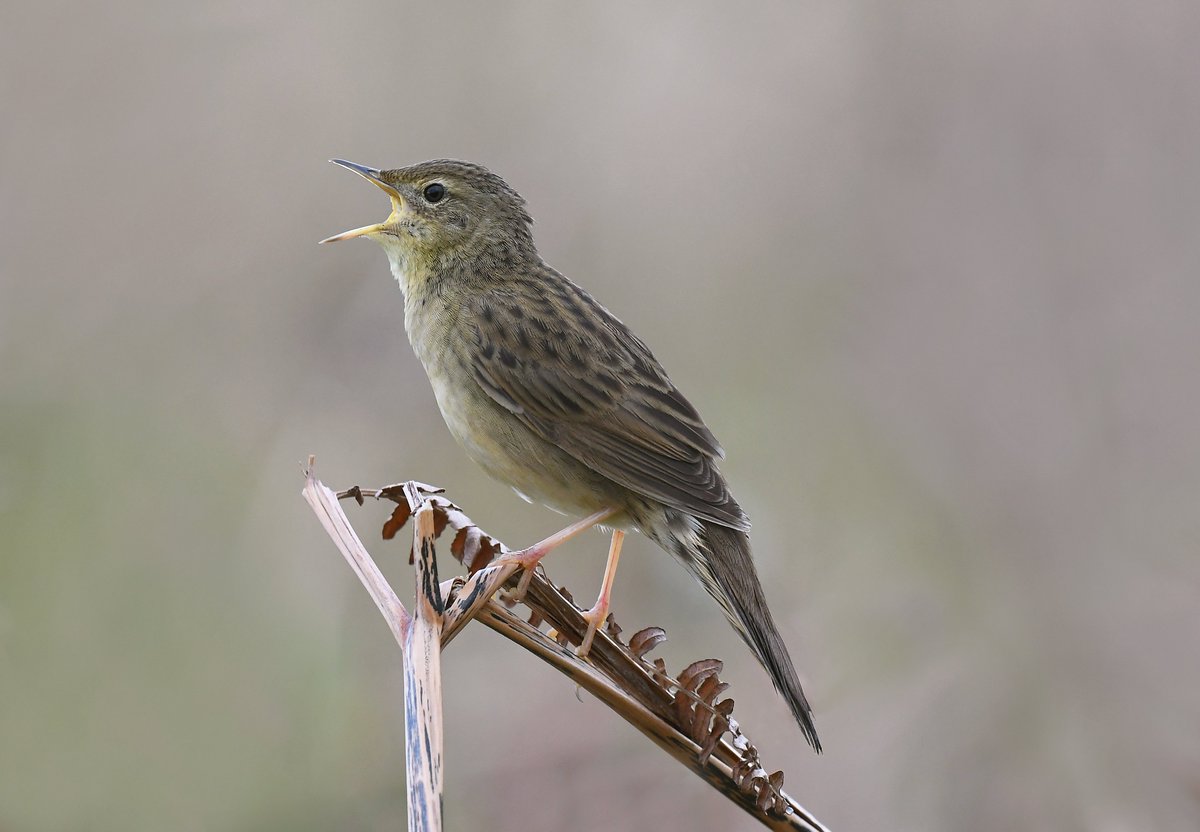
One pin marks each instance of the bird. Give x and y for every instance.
(552, 394)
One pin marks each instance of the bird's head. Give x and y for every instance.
(444, 212)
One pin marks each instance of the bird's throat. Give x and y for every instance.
(401, 270)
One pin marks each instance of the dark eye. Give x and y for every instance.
(434, 192)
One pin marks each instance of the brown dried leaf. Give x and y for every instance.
(395, 492)
(454, 516)
(479, 550)
(467, 546)
(643, 641)
(396, 522)
(683, 709)
(472, 546)
(765, 797)
(719, 726)
(612, 628)
(458, 544)
(484, 555)
(710, 689)
(439, 518)
(698, 729)
(697, 672)
(489, 550)
(659, 673)
(741, 771)
(714, 738)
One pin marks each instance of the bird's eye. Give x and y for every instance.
(434, 192)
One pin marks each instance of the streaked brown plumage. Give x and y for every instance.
(552, 394)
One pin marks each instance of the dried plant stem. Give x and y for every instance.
(716, 771)
(423, 686)
(419, 637)
(325, 504)
(680, 715)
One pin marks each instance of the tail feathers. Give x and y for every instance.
(720, 559)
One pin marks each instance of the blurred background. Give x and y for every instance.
(929, 270)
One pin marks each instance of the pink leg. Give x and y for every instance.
(528, 558)
(596, 615)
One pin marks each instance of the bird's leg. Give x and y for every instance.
(596, 615)
(528, 558)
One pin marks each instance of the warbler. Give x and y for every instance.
(550, 393)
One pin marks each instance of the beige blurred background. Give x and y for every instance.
(929, 270)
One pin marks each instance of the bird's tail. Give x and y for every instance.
(720, 559)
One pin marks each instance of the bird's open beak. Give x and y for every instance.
(372, 176)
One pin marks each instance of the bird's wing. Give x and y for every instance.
(577, 377)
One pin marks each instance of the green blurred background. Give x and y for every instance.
(929, 270)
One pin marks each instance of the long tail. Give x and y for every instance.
(720, 558)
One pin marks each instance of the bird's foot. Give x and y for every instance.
(595, 617)
(526, 560)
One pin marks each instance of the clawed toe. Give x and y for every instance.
(526, 560)
(594, 618)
